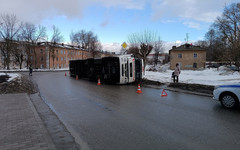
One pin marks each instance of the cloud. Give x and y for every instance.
(36, 11)
(204, 10)
(127, 4)
(104, 23)
(191, 24)
(111, 47)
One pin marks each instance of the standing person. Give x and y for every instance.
(30, 71)
(176, 73)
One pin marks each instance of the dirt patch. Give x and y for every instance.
(21, 84)
(4, 78)
(208, 89)
(150, 82)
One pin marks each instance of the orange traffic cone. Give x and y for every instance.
(139, 89)
(164, 93)
(76, 77)
(99, 83)
(65, 74)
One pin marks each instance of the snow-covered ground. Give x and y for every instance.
(36, 70)
(212, 76)
(16, 75)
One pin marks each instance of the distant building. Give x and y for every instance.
(163, 58)
(55, 56)
(188, 56)
(47, 55)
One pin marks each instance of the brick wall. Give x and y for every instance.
(57, 57)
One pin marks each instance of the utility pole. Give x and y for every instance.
(187, 37)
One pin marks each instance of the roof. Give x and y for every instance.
(187, 47)
(60, 45)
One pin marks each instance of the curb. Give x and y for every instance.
(47, 137)
(165, 86)
(62, 136)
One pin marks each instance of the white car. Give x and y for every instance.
(228, 95)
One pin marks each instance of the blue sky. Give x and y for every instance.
(113, 21)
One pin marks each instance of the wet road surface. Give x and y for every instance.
(115, 117)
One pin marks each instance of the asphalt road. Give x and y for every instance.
(115, 117)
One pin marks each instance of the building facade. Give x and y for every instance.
(55, 56)
(162, 58)
(188, 56)
(46, 55)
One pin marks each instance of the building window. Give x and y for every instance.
(61, 59)
(57, 51)
(194, 65)
(179, 55)
(41, 58)
(195, 55)
(57, 58)
(61, 51)
(64, 52)
(41, 51)
(41, 66)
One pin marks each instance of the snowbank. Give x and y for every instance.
(11, 75)
(36, 70)
(212, 76)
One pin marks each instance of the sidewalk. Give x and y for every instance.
(21, 126)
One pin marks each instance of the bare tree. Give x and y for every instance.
(141, 44)
(158, 48)
(228, 29)
(56, 38)
(32, 34)
(9, 28)
(86, 40)
(19, 53)
(94, 46)
(79, 38)
(3, 53)
(210, 37)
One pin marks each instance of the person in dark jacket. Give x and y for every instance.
(177, 71)
(30, 71)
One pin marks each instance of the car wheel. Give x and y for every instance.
(228, 100)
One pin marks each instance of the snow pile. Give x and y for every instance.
(11, 75)
(159, 68)
(212, 76)
(36, 70)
